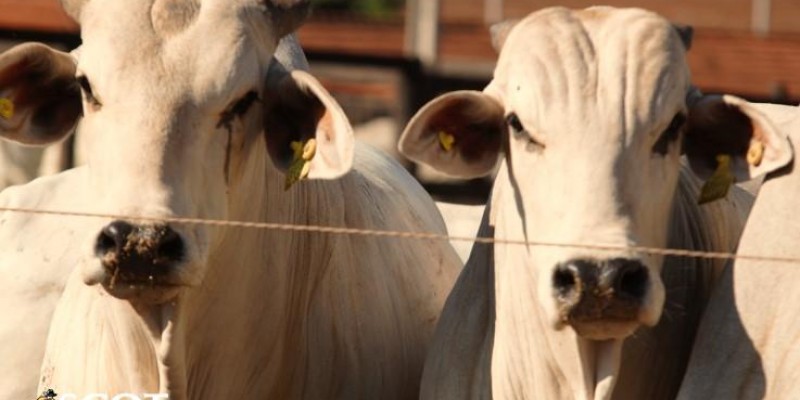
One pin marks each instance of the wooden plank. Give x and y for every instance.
(354, 37)
(35, 16)
(785, 16)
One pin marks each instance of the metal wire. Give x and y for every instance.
(410, 235)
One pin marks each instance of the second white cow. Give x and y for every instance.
(590, 109)
(747, 343)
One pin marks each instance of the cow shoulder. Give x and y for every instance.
(34, 265)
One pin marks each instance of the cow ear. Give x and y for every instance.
(73, 8)
(499, 33)
(459, 133)
(296, 109)
(686, 33)
(40, 99)
(755, 136)
(287, 15)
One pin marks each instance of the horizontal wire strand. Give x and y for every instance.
(409, 235)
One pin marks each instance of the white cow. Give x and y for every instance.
(747, 343)
(185, 113)
(589, 108)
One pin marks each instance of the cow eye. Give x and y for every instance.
(515, 124)
(244, 103)
(237, 109)
(88, 94)
(518, 131)
(670, 135)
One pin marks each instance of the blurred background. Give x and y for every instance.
(383, 59)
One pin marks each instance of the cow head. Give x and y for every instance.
(174, 99)
(590, 110)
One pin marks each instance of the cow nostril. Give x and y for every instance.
(170, 247)
(564, 280)
(633, 280)
(112, 237)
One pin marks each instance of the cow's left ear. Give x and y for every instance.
(754, 136)
(40, 99)
(298, 109)
(459, 133)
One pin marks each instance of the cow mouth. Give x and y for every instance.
(602, 316)
(147, 284)
(604, 329)
(141, 291)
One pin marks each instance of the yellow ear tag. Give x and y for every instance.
(755, 153)
(446, 140)
(717, 186)
(6, 108)
(298, 170)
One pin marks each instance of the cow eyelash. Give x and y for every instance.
(238, 108)
(244, 103)
(670, 134)
(519, 132)
(86, 87)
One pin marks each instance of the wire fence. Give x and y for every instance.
(410, 235)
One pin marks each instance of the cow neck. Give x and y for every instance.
(258, 288)
(531, 359)
(252, 298)
(98, 344)
(164, 324)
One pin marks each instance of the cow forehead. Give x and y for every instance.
(172, 16)
(185, 46)
(618, 69)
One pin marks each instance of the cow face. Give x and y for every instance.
(590, 109)
(177, 97)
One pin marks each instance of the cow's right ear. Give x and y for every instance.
(297, 109)
(755, 136)
(459, 133)
(40, 99)
(499, 33)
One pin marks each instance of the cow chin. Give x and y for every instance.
(149, 290)
(143, 293)
(605, 330)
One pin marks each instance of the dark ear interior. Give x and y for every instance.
(44, 91)
(476, 132)
(291, 113)
(459, 133)
(715, 128)
(686, 33)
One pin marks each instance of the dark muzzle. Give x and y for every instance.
(138, 254)
(600, 290)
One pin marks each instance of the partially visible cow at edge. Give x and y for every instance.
(194, 108)
(592, 111)
(20, 164)
(747, 342)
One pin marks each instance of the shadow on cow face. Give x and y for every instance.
(179, 118)
(590, 118)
